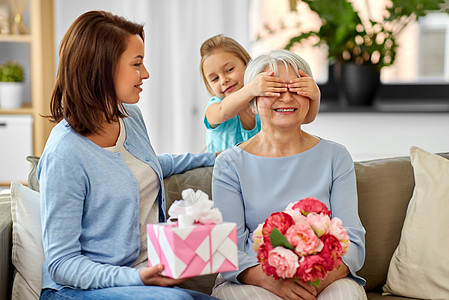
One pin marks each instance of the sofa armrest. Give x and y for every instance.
(5, 250)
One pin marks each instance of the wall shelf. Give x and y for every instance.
(38, 45)
(24, 109)
(16, 38)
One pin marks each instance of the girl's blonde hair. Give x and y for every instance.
(221, 43)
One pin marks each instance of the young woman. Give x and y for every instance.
(100, 179)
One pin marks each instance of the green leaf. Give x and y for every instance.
(315, 283)
(278, 239)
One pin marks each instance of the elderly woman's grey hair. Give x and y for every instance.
(271, 61)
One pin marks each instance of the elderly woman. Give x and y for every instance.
(280, 165)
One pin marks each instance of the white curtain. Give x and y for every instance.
(174, 98)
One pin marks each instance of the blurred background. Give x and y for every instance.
(174, 98)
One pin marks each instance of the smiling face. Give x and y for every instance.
(286, 111)
(130, 71)
(224, 73)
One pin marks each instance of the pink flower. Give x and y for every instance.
(303, 238)
(295, 214)
(336, 229)
(309, 205)
(257, 237)
(312, 268)
(262, 258)
(285, 261)
(280, 220)
(319, 222)
(331, 252)
(308, 245)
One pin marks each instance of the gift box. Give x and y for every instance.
(193, 250)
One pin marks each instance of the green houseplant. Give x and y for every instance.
(357, 43)
(11, 72)
(11, 85)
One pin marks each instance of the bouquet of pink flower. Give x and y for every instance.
(301, 242)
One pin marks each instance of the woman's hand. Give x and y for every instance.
(341, 272)
(305, 86)
(284, 288)
(309, 290)
(293, 289)
(152, 276)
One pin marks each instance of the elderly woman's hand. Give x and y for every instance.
(293, 289)
(284, 288)
(341, 272)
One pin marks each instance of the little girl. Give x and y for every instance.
(229, 119)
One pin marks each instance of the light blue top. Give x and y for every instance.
(228, 133)
(248, 188)
(90, 205)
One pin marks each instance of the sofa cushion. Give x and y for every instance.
(422, 250)
(384, 189)
(199, 178)
(27, 253)
(379, 296)
(5, 248)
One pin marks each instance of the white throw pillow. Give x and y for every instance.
(419, 267)
(27, 253)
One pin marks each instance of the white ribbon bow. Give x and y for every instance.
(194, 207)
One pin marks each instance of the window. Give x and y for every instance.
(434, 48)
(421, 68)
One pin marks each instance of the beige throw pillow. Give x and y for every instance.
(27, 253)
(419, 267)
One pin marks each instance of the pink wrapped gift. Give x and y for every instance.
(193, 250)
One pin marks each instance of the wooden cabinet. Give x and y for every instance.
(17, 130)
(38, 44)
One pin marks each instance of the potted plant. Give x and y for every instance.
(11, 85)
(359, 46)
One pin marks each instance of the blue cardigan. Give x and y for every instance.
(90, 205)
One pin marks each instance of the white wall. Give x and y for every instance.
(371, 135)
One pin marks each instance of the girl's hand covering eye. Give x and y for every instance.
(266, 84)
(305, 86)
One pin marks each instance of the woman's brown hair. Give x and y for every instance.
(221, 43)
(84, 93)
